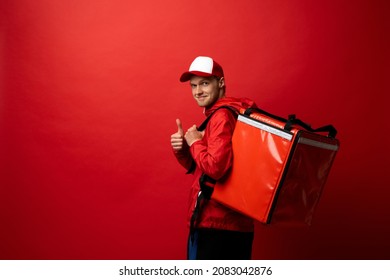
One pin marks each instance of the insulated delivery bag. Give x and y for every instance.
(279, 169)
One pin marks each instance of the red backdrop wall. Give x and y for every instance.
(89, 97)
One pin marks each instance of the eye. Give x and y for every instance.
(205, 83)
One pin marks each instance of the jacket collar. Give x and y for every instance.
(236, 103)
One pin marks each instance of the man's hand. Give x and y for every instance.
(192, 135)
(177, 139)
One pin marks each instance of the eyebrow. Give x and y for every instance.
(201, 81)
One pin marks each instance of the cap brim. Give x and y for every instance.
(186, 76)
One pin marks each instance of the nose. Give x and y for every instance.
(198, 90)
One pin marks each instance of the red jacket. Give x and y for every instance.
(213, 156)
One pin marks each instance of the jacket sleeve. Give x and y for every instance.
(184, 158)
(213, 154)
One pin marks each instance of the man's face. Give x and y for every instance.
(206, 91)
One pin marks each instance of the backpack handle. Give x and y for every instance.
(292, 120)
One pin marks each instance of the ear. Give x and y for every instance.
(221, 82)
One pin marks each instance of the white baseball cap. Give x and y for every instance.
(202, 66)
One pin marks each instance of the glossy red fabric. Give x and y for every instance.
(277, 176)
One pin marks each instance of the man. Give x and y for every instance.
(216, 232)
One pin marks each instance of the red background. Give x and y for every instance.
(89, 97)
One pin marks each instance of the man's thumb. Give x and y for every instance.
(179, 127)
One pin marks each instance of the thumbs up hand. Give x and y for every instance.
(177, 139)
(179, 127)
(192, 135)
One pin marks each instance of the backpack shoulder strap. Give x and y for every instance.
(206, 121)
